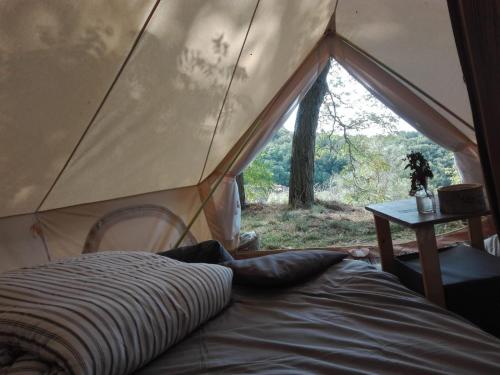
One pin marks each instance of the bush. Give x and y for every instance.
(259, 181)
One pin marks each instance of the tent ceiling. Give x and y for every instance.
(154, 131)
(282, 35)
(201, 73)
(413, 38)
(57, 59)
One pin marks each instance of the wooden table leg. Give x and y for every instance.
(476, 233)
(384, 239)
(429, 260)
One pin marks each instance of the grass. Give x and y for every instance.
(325, 224)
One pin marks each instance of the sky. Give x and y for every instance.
(401, 126)
(357, 91)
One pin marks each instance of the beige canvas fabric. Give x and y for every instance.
(223, 210)
(57, 60)
(204, 85)
(169, 96)
(283, 33)
(409, 105)
(415, 39)
(21, 242)
(154, 131)
(66, 230)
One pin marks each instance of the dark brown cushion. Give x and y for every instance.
(283, 269)
(205, 252)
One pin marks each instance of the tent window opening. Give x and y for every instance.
(360, 147)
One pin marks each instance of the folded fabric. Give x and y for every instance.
(104, 313)
(205, 252)
(283, 269)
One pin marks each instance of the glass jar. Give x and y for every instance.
(426, 203)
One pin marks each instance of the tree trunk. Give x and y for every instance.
(301, 193)
(240, 181)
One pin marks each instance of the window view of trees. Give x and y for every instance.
(377, 174)
(359, 148)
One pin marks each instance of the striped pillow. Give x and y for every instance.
(109, 312)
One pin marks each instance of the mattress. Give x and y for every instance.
(351, 319)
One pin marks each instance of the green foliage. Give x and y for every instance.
(277, 155)
(259, 181)
(349, 108)
(376, 174)
(350, 165)
(441, 160)
(328, 161)
(280, 227)
(367, 182)
(420, 171)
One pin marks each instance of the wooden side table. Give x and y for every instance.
(405, 213)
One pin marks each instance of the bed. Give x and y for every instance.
(348, 318)
(352, 319)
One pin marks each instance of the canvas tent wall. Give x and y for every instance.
(110, 107)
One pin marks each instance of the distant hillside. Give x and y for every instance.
(371, 170)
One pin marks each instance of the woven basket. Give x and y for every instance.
(462, 199)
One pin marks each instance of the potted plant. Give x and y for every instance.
(420, 173)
